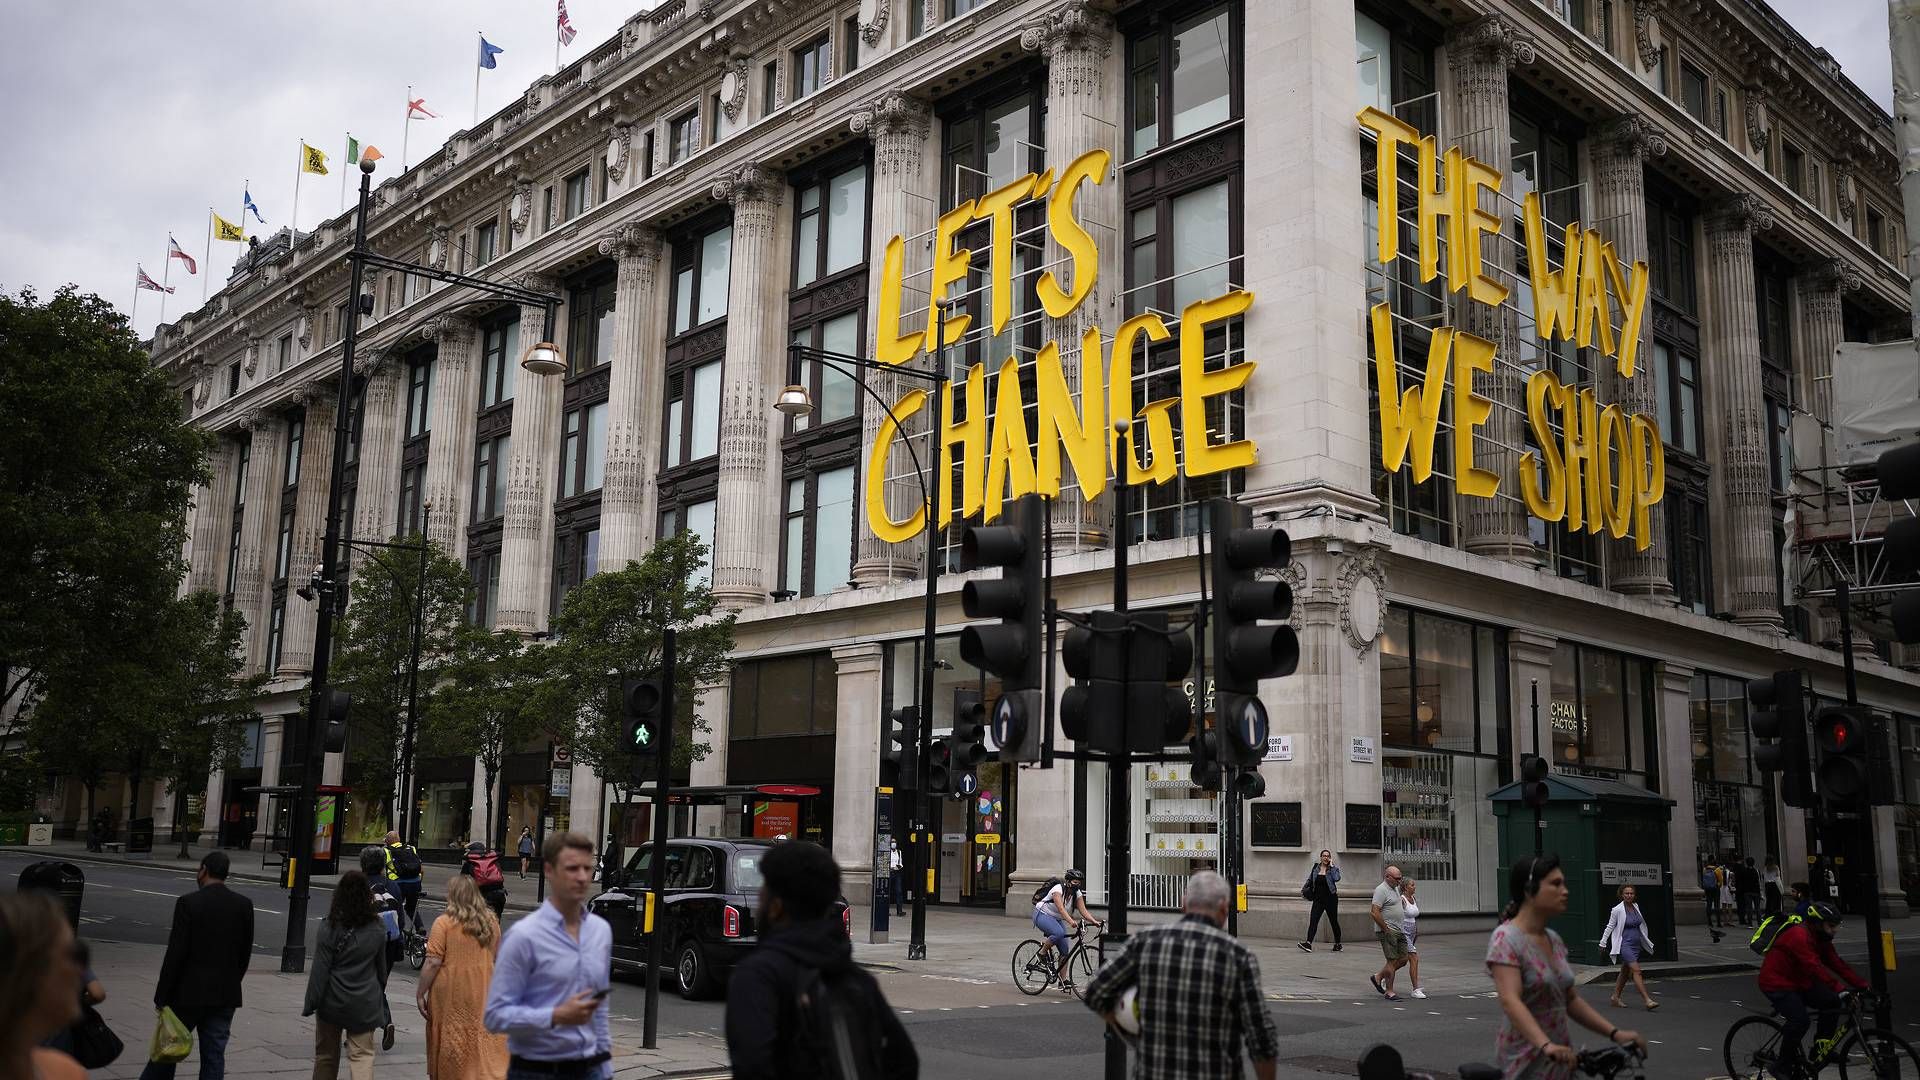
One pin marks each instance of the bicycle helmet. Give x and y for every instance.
(1822, 912)
(1074, 875)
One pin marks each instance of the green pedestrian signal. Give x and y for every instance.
(640, 702)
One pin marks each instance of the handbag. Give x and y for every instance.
(95, 1046)
(1306, 891)
(172, 1040)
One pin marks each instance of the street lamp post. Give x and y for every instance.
(795, 401)
(542, 358)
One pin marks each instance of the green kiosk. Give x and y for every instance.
(1607, 834)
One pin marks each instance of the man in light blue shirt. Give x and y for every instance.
(553, 974)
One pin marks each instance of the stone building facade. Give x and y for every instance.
(721, 179)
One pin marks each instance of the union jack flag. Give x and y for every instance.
(566, 25)
(142, 281)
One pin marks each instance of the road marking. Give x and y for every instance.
(150, 892)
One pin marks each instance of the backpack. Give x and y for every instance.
(1040, 893)
(404, 861)
(486, 869)
(1769, 930)
(835, 1027)
(1708, 883)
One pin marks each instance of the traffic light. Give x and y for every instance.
(1843, 732)
(1017, 725)
(333, 721)
(1533, 781)
(1249, 784)
(940, 776)
(966, 747)
(642, 724)
(1205, 748)
(1899, 473)
(1012, 648)
(1157, 714)
(1779, 711)
(1092, 711)
(897, 766)
(1245, 650)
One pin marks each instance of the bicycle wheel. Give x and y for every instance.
(1032, 972)
(1753, 1049)
(417, 951)
(1877, 1055)
(1080, 968)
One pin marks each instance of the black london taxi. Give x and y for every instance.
(712, 888)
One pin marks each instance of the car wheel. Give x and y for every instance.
(696, 979)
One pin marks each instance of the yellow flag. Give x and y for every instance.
(227, 230)
(312, 160)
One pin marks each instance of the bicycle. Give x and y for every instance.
(1754, 1048)
(1611, 1062)
(1035, 968)
(413, 945)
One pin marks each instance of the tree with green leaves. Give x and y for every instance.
(97, 469)
(610, 625)
(376, 641)
(206, 703)
(490, 697)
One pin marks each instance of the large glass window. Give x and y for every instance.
(484, 568)
(283, 545)
(1600, 713)
(583, 450)
(835, 392)
(1676, 382)
(700, 278)
(693, 413)
(499, 362)
(419, 391)
(683, 136)
(830, 233)
(486, 242)
(811, 63)
(1731, 807)
(1181, 77)
(576, 194)
(590, 327)
(817, 542)
(296, 435)
(244, 456)
(696, 518)
(576, 557)
(413, 482)
(276, 636)
(490, 477)
(1670, 254)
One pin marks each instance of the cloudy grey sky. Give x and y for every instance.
(129, 119)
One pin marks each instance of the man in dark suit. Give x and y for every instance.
(207, 954)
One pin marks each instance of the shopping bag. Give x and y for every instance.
(172, 1040)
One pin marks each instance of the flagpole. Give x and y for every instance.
(134, 315)
(293, 224)
(476, 75)
(406, 129)
(206, 280)
(166, 275)
(347, 158)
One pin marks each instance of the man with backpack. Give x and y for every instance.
(798, 1006)
(403, 869)
(1710, 891)
(1802, 972)
(482, 864)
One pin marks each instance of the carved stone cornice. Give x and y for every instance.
(368, 362)
(1077, 27)
(1492, 41)
(736, 106)
(535, 281)
(1754, 97)
(322, 393)
(518, 222)
(307, 315)
(1837, 275)
(252, 360)
(619, 149)
(749, 183)
(1843, 187)
(452, 335)
(1630, 136)
(895, 113)
(1643, 13)
(1743, 214)
(631, 241)
(438, 248)
(871, 29)
(254, 421)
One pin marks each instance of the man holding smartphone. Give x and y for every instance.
(553, 973)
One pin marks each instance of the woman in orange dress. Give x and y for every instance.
(452, 992)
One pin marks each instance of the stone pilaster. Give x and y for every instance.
(902, 205)
(526, 564)
(273, 739)
(1077, 40)
(1738, 409)
(451, 416)
(1821, 288)
(635, 388)
(1620, 149)
(856, 767)
(1674, 732)
(1480, 54)
(258, 531)
(746, 542)
(376, 513)
(1309, 417)
(309, 523)
(212, 518)
(712, 705)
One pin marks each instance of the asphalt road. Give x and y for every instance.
(967, 1027)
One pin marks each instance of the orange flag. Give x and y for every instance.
(371, 153)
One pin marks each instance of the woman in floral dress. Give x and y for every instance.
(1529, 966)
(452, 992)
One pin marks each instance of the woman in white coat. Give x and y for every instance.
(1627, 940)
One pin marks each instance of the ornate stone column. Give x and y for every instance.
(1077, 39)
(902, 205)
(1675, 754)
(526, 564)
(1620, 149)
(309, 523)
(746, 542)
(1744, 496)
(856, 767)
(262, 517)
(212, 518)
(376, 506)
(635, 388)
(451, 416)
(1480, 55)
(1821, 331)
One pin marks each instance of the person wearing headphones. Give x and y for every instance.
(1802, 971)
(1528, 962)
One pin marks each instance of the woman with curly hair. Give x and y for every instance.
(453, 985)
(346, 992)
(38, 954)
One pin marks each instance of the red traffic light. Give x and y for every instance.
(1839, 732)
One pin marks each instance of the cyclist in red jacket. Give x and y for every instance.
(1803, 971)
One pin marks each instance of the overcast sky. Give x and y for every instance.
(128, 120)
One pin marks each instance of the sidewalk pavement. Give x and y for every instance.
(271, 1038)
(978, 945)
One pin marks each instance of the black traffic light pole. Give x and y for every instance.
(657, 871)
(1868, 867)
(1119, 774)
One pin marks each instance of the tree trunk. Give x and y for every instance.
(494, 840)
(87, 823)
(180, 821)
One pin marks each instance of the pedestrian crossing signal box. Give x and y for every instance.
(1607, 834)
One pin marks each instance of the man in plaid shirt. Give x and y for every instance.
(1199, 993)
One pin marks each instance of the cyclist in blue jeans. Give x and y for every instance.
(1053, 914)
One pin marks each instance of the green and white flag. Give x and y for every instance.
(353, 150)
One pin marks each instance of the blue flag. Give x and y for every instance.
(488, 51)
(247, 204)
